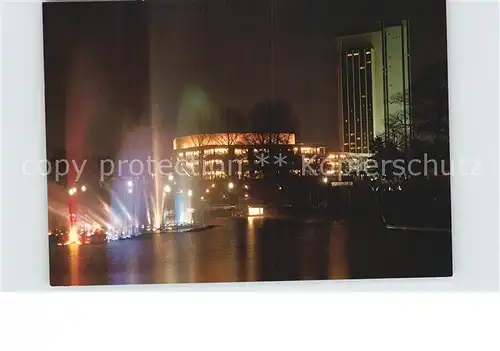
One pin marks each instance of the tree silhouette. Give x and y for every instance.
(232, 122)
(272, 124)
(399, 123)
(428, 132)
(431, 113)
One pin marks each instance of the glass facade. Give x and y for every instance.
(375, 87)
(357, 100)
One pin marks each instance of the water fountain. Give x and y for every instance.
(182, 210)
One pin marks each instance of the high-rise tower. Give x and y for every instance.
(374, 91)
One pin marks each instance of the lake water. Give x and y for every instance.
(257, 249)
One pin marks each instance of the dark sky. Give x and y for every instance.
(106, 63)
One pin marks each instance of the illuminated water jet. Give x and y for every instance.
(73, 237)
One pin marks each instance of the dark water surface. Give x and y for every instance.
(256, 250)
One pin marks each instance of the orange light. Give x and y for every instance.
(255, 211)
(73, 237)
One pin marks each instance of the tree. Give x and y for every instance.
(428, 130)
(385, 151)
(272, 123)
(377, 144)
(229, 126)
(431, 113)
(399, 123)
(272, 126)
(231, 122)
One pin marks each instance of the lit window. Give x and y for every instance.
(368, 62)
(356, 54)
(362, 67)
(349, 54)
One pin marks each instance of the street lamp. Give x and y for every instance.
(83, 188)
(207, 190)
(130, 191)
(170, 177)
(72, 191)
(130, 184)
(325, 180)
(231, 185)
(167, 189)
(190, 193)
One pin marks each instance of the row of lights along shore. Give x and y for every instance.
(167, 189)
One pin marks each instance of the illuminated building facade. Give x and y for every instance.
(235, 154)
(343, 163)
(374, 85)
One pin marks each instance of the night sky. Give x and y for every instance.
(106, 64)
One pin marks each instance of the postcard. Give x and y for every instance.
(246, 141)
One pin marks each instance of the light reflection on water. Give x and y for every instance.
(74, 272)
(251, 254)
(254, 250)
(337, 264)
